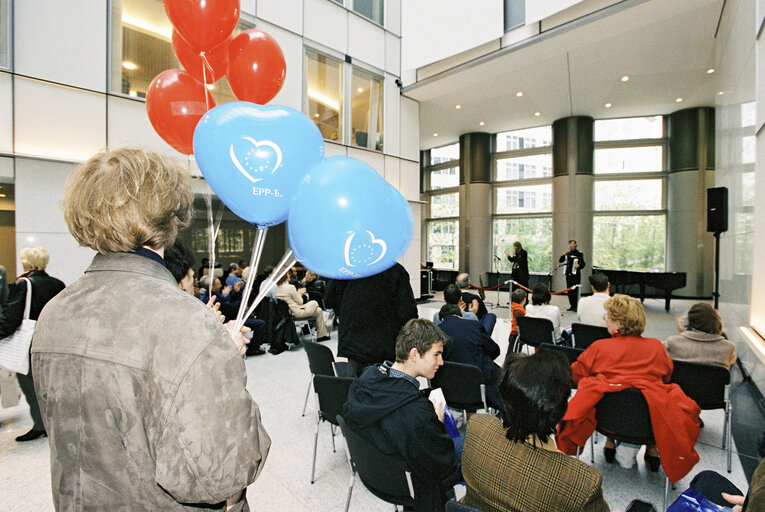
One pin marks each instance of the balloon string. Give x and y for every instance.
(214, 229)
(286, 263)
(257, 250)
(205, 65)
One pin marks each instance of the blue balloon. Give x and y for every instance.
(254, 156)
(347, 222)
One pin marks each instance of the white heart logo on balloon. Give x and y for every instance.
(362, 254)
(257, 158)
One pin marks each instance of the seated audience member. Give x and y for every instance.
(293, 297)
(701, 339)
(512, 463)
(517, 308)
(385, 407)
(234, 275)
(453, 295)
(471, 345)
(630, 360)
(263, 282)
(540, 307)
(475, 305)
(590, 309)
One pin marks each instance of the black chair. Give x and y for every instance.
(321, 361)
(456, 506)
(462, 385)
(384, 476)
(709, 387)
(584, 334)
(534, 331)
(332, 393)
(570, 353)
(624, 416)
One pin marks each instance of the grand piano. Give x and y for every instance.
(630, 282)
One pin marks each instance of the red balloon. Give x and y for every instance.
(191, 59)
(256, 67)
(204, 24)
(175, 102)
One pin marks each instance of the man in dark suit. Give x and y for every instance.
(574, 264)
(474, 304)
(471, 345)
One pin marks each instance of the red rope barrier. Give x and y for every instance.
(529, 290)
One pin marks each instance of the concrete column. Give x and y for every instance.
(690, 248)
(475, 204)
(572, 190)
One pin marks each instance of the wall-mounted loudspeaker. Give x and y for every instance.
(717, 210)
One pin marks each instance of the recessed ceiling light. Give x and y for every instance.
(678, 100)
(625, 78)
(537, 114)
(608, 105)
(519, 93)
(458, 106)
(481, 123)
(435, 134)
(316, 114)
(360, 89)
(710, 71)
(129, 65)
(719, 93)
(2, 195)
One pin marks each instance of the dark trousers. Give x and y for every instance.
(355, 367)
(573, 295)
(28, 388)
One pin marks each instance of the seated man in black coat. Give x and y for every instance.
(475, 304)
(471, 345)
(385, 407)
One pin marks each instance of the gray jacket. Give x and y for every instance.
(700, 347)
(143, 395)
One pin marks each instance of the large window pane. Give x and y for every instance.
(324, 90)
(743, 225)
(445, 153)
(523, 167)
(528, 199)
(367, 117)
(639, 159)
(5, 34)
(629, 242)
(445, 178)
(445, 205)
(443, 248)
(372, 9)
(629, 128)
(524, 139)
(628, 195)
(535, 234)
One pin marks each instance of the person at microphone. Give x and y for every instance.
(520, 261)
(574, 260)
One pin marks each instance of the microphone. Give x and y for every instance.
(497, 258)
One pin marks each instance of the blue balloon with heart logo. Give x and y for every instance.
(254, 156)
(347, 222)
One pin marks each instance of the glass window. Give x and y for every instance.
(445, 205)
(523, 167)
(524, 139)
(629, 242)
(743, 226)
(324, 90)
(629, 128)
(635, 159)
(445, 178)
(628, 195)
(5, 34)
(443, 245)
(527, 199)
(445, 154)
(367, 115)
(372, 9)
(535, 234)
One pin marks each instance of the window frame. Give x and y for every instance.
(428, 193)
(7, 7)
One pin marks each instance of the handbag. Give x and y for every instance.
(14, 350)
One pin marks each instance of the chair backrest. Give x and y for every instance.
(624, 416)
(535, 331)
(333, 393)
(320, 358)
(461, 384)
(571, 353)
(585, 334)
(383, 475)
(703, 383)
(456, 506)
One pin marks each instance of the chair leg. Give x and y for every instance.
(666, 492)
(577, 453)
(332, 432)
(350, 490)
(728, 432)
(315, 443)
(307, 394)
(592, 448)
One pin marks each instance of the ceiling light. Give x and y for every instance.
(481, 123)
(164, 29)
(537, 114)
(710, 71)
(316, 115)
(2, 195)
(719, 93)
(519, 93)
(458, 106)
(129, 65)
(133, 94)
(608, 105)
(625, 78)
(678, 100)
(435, 134)
(323, 99)
(360, 89)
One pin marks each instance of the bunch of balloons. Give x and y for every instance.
(202, 40)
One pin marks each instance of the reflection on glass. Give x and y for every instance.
(535, 234)
(443, 244)
(743, 226)
(445, 205)
(445, 178)
(367, 115)
(5, 34)
(747, 189)
(372, 9)
(528, 199)
(445, 153)
(324, 90)
(523, 167)
(748, 114)
(748, 149)
(628, 195)
(629, 242)
(640, 159)
(629, 128)
(524, 139)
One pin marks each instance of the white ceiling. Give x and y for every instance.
(665, 46)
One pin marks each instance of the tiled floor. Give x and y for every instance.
(279, 383)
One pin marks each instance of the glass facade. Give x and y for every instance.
(445, 154)
(524, 167)
(445, 205)
(443, 243)
(367, 110)
(372, 9)
(445, 178)
(536, 236)
(629, 128)
(5, 34)
(324, 90)
(622, 195)
(635, 242)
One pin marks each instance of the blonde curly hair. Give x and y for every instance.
(629, 312)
